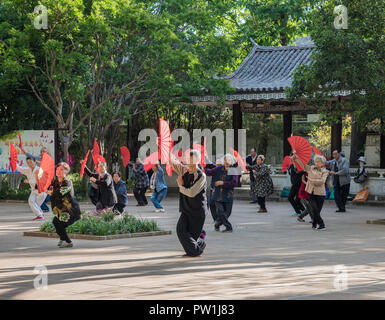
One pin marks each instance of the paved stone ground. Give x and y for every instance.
(268, 256)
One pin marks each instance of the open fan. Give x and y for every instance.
(286, 163)
(84, 164)
(165, 141)
(100, 158)
(95, 153)
(302, 148)
(316, 151)
(150, 161)
(239, 159)
(12, 157)
(125, 155)
(46, 173)
(20, 144)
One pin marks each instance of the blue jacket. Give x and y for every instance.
(121, 192)
(224, 193)
(160, 183)
(343, 170)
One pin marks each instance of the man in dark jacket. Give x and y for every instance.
(296, 181)
(121, 192)
(107, 195)
(251, 160)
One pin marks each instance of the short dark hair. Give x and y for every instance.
(118, 173)
(30, 158)
(337, 150)
(254, 148)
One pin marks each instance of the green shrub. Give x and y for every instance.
(101, 224)
(6, 193)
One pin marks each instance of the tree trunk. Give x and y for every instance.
(357, 144)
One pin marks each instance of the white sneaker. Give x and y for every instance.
(162, 210)
(157, 210)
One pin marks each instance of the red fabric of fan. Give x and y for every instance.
(20, 144)
(165, 141)
(95, 153)
(302, 148)
(84, 164)
(46, 173)
(150, 161)
(286, 163)
(316, 151)
(125, 155)
(12, 157)
(239, 159)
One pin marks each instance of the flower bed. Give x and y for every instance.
(105, 223)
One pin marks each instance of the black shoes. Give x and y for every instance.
(321, 228)
(227, 230)
(341, 210)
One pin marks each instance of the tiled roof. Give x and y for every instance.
(269, 68)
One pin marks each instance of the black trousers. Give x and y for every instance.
(308, 209)
(213, 210)
(119, 207)
(341, 195)
(223, 214)
(61, 227)
(294, 200)
(262, 202)
(189, 229)
(140, 195)
(316, 203)
(94, 195)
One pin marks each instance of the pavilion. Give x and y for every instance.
(260, 83)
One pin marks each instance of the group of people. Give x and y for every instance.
(309, 185)
(108, 191)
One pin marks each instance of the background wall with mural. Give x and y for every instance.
(32, 140)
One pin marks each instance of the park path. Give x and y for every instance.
(268, 256)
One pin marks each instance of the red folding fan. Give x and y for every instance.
(150, 161)
(302, 148)
(95, 153)
(239, 159)
(316, 151)
(46, 173)
(84, 164)
(125, 155)
(165, 141)
(12, 157)
(20, 144)
(286, 163)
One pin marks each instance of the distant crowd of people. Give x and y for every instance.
(307, 193)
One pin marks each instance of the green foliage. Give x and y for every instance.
(346, 59)
(103, 224)
(6, 193)
(80, 188)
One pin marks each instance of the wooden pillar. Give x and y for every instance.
(336, 137)
(357, 143)
(237, 122)
(382, 151)
(287, 130)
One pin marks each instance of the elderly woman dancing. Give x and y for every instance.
(223, 192)
(315, 187)
(192, 204)
(64, 205)
(263, 183)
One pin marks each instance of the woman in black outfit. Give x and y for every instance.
(107, 194)
(64, 205)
